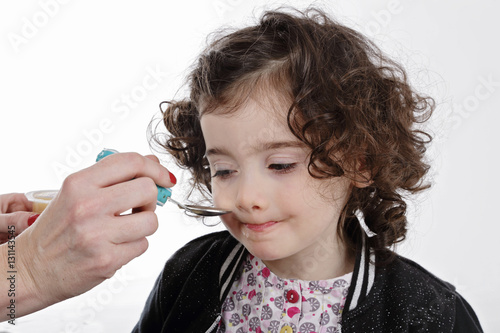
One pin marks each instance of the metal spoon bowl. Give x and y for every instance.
(200, 210)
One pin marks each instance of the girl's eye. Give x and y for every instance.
(282, 168)
(222, 173)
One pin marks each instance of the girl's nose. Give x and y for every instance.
(251, 196)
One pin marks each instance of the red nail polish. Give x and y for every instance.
(32, 219)
(173, 180)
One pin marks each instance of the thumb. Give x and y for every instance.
(16, 222)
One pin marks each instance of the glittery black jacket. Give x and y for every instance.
(400, 297)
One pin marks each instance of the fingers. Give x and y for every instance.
(81, 238)
(126, 181)
(133, 249)
(139, 193)
(14, 202)
(14, 213)
(152, 158)
(121, 255)
(131, 228)
(121, 167)
(14, 223)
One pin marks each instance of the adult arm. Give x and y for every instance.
(82, 238)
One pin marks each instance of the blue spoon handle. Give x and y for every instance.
(163, 193)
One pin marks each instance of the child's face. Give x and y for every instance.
(259, 169)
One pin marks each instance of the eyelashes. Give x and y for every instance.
(277, 168)
(282, 168)
(223, 174)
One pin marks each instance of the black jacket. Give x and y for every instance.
(399, 297)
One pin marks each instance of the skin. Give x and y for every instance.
(280, 213)
(15, 209)
(81, 239)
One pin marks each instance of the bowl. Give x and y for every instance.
(41, 199)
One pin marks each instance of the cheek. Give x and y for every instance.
(232, 225)
(336, 192)
(300, 188)
(319, 194)
(221, 194)
(291, 193)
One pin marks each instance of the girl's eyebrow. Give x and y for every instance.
(264, 146)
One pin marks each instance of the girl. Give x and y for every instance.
(308, 134)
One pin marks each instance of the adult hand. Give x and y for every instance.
(15, 211)
(82, 238)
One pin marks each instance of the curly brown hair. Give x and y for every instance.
(349, 103)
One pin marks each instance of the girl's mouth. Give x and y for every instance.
(260, 227)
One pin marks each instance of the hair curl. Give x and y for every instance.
(348, 99)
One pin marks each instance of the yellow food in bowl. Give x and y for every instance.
(41, 199)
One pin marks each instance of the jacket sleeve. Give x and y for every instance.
(172, 282)
(466, 320)
(188, 285)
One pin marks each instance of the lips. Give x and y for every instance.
(261, 226)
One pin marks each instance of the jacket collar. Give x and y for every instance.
(361, 283)
(362, 278)
(229, 269)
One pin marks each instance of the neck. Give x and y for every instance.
(326, 259)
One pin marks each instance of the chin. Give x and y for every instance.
(265, 253)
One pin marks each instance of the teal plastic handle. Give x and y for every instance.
(163, 193)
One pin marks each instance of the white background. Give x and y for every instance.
(67, 67)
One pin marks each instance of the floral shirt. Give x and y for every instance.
(260, 301)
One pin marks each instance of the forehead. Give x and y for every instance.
(266, 90)
(254, 126)
(271, 106)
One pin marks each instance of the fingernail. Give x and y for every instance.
(173, 180)
(32, 219)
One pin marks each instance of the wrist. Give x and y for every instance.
(20, 271)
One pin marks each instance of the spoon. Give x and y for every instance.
(165, 194)
(200, 210)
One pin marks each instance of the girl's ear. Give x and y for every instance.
(362, 176)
